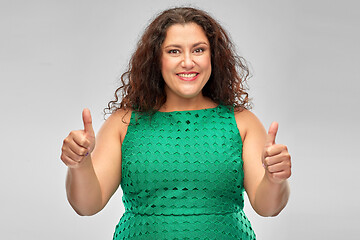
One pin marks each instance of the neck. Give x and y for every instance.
(183, 104)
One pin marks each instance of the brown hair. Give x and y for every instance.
(143, 85)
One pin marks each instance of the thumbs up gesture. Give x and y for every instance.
(78, 145)
(276, 158)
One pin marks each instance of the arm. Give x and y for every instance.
(266, 187)
(94, 170)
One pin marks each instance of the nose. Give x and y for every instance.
(187, 61)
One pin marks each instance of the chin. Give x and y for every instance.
(189, 95)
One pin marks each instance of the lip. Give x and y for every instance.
(188, 79)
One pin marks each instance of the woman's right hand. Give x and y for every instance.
(78, 145)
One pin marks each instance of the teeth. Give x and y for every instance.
(187, 75)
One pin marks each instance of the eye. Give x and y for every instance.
(174, 51)
(199, 50)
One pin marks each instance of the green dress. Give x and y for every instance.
(182, 177)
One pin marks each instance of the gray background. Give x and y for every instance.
(57, 57)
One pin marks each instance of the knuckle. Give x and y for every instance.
(65, 160)
(66, 141)
(73, 134)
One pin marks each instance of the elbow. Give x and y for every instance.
(85, 213)
(85, 208)
(81, 214)
(268, 212)
(275, 214)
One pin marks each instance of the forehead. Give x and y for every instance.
(185, 33)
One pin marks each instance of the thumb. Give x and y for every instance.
(87, 122)
(270, 139)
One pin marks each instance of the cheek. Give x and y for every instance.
(207, 65)
(206, 62)
(165, 66)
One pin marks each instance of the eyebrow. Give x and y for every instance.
(179, 46)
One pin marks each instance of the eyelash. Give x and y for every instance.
(173, 51)
(176, 51)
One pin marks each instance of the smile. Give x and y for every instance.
(188, 76)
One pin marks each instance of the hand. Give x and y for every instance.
(78, 145)
(276, 158)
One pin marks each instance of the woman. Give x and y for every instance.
(181, 142)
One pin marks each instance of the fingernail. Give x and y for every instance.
(263, 165)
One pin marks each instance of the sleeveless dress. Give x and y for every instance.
(182, 177)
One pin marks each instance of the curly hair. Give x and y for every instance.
(143, 86)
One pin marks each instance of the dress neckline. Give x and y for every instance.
(195, 110)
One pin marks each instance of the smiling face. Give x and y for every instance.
(185, 61)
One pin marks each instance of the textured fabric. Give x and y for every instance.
(182, 177)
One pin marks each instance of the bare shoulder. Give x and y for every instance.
(118, 122)
(120, 116)
(247, 122)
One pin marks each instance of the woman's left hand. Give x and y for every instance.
(276, 158)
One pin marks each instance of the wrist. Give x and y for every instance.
(271, 180)
(85, 163)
